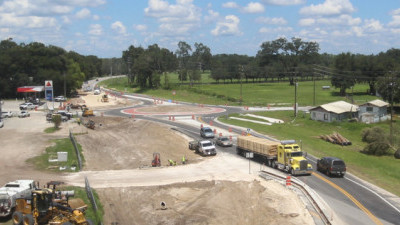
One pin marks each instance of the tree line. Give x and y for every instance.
(288, 60)
(31, 64)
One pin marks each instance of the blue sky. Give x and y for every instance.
(105, 28)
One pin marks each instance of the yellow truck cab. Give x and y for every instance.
(290, 158)
(284, 155)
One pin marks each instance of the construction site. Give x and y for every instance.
(118, 163)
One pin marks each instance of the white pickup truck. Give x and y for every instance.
(11, 191)
(204, 147)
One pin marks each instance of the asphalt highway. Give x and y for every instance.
(351, 199)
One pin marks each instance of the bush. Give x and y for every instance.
(375, 134)
(56, 119)
(377, 148)
(397, 154)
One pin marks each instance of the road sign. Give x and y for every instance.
(48, 84)
(249, 155)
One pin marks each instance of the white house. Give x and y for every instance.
(374, 111)
(334, 111)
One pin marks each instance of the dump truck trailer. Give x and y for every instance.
(284, 155)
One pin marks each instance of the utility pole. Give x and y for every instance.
(391, 109)
(295, 98)
(313, 77)
(65, 86)
(241, 85)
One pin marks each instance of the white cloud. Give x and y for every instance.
(118, 27)
(10, 21)
(284, 2)
(140, 27)
(229, 26)
(232, 5)
(342, 20)
(96, 29)
(96, 17)
(395, 12)
(276, 30)
(271, 20)
(395, 21)
(83, 13)
(328, 8)
(178, 19)
(211, 17)
(254, 7)
(372, 25)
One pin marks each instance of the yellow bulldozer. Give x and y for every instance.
(48, 206)
(86, 111)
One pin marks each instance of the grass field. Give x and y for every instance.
(61, 145)
(383, 171)
(253, 94)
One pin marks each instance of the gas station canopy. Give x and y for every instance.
(30, 89)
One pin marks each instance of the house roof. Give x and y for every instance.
(339, 107)
(376, 102)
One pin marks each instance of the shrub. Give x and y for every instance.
(377, 148)
(56, 119)
(397, 154)
(375, 134)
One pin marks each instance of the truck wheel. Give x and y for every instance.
(17, 218)
(273, 164)
(269, 163)
(327, 172)
(89, 222)
(28, 219)
(291, 171)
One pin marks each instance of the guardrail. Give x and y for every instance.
(78, 155)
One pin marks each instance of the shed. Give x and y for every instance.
(334, 111)
(374, 111)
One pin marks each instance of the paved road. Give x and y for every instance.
(352, 200)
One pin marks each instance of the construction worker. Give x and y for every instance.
(171, 162)
(183, 160)
(78, 121)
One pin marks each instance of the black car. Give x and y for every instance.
(331, 166)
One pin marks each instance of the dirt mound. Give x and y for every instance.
(125, 143)
(203, 202)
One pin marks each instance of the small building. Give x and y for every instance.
(374, 111)
(334, 111)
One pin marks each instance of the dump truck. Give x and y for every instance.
(284, 155)
(11, 191)
(49, 206)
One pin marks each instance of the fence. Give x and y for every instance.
(91, 197)
(71, 136)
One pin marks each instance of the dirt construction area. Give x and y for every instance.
(118, 153)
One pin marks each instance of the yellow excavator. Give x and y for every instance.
(48, 206)
(86, 111)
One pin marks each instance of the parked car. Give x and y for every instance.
(1, 123)
(60, 99)
(331, 166)
(206, 132)
(23, 114)
(65, 113)
(27, 106)
(7, 114)
(224, 141)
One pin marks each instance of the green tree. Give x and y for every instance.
(345, 77)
